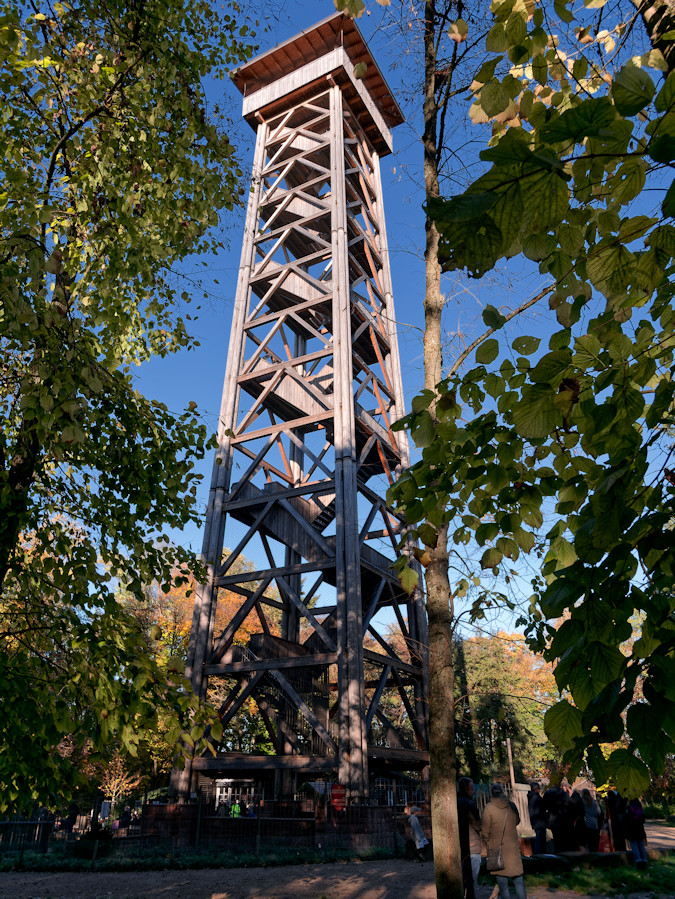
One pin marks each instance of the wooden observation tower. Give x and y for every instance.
(304, 624)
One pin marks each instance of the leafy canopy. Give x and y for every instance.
(111, 173)
(564, 448)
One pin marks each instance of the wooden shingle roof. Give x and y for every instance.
(335, 31)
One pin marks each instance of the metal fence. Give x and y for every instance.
(319, 822)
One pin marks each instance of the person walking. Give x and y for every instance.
(417, 833)
(498, 829)
(535, 805)
(470, 842)
(634, 829)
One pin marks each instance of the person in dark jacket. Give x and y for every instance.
(577, 828)
(470, 843)
(535, 805)
(634, 828)
(616, 810)
(592, 820)
(556, 807)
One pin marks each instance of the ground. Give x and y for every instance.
(389, 879)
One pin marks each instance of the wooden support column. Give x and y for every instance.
(201, 633)
(353, 752)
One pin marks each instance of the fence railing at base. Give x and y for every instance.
(272, 827)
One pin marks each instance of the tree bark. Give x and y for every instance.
(16, 480)
(447, 856)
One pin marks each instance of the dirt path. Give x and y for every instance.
(389, 879)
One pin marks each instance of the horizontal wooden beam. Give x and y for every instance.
(284, 571)
(242, 762)
(314, 488)
(309, 661)
(399, 757)
(379, 659)
(306, 421)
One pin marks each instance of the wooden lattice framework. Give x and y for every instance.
(306, 449)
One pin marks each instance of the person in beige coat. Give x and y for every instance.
(498, 825)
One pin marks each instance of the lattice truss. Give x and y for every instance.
(307, 452)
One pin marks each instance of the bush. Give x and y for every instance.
(660, 811)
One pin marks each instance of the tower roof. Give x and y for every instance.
(338, 30)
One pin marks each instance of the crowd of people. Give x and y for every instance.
(235, 809)
(575, 820)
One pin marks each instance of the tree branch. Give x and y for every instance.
(472, 346)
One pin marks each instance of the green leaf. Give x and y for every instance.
(561, 10)
(645, 723)
(540, 69)
(631, 776)
(488, 530)
(610, 268)
(606, 661)
(536, 415)
(458, 31)
(551, 366)
(423, 400)
(353, 8)
(632, 90)
(668, 206)
(587, 119)
(428, 535)
(487, 70)
(562, 723)
(496, 41)
(409, 579)
(661, 149)
(360, 70)
(665, 99)
(494, 98)
(475, 246)
(424, 430)
(628, 181)
(516, 28)
(524, 539)
(598, 764)
(562, 553)
(468, 207)
(493, 318)
(491, 558)
(487, 352)
(536, 246)
(526, 345)
(587, 352)
(548, 198)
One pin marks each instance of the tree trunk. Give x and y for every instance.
(447, 856)
(15, 483)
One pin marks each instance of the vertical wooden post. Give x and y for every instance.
(353, 750)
